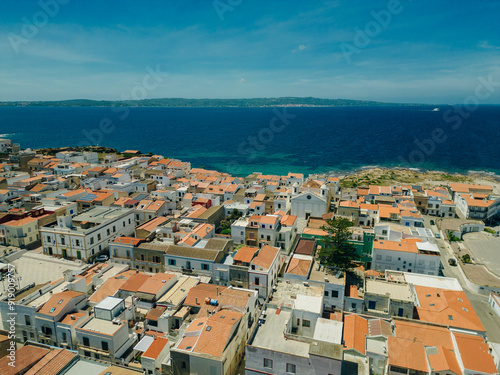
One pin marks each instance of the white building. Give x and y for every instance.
(264, 270)
(304, 205)
(87, 234)
(406, 255)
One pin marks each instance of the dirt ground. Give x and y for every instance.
(427, 179)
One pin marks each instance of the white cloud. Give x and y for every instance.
(486, 45)
(300, 48)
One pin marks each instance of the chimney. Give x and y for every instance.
(196, 300)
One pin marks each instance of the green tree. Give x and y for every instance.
(225, 224)
(336, 251)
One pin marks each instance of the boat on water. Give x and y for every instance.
(436, 110)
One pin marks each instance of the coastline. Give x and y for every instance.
(359, 176)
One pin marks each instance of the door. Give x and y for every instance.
(79, 255)
(400, 312)
(64, 253)
(188, 265)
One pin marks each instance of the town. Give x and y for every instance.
(131, 263)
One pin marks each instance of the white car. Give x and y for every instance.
(101, 258)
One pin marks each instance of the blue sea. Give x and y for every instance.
(275, 140)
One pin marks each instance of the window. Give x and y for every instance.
(306, 323)
(257, 281)
(86, 341)
(49, 239)
(98, 236)
(91, 240)
(142, 257)
(114, 229)
(326, 293)
(47, 330)
(156, 259)
(129, 221)
(378, 257)
(64, 336)
(268, 363)
(108, 232)
(27, 319)
(290, 368)
(171, 262)
(183, 364)
(104, 345)
(388, 258)
(372, 305)
(335, 293)
(77, 242)
(63, 241)
(204, 266)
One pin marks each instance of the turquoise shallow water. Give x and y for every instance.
(243, 140)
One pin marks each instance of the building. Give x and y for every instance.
(264, 269)
(292, 337)
(211, 345)
(307, 204)
(88, 234)
(408, 255)
(103, 335)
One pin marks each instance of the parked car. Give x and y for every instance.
(432, 222)
(101, 258)
(437, 235)
(452, 262)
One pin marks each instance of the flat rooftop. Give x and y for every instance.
(397, 291)
(270, 335)
(440, 282)
(101, 326)
(328, 331)
(324, 274)
(40, 269)
(287, 291)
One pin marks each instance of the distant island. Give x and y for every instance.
(182, 102)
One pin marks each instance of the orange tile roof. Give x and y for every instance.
(155, 313)
(447, 307)
(20, 222)
(386, 210)
(349, 204)
(52, 363)
(407, 354)
(110, 286)
(129, 240)
(135, 281)
(406, 246)
(211, 341)
(430, 335)
(26, 357)
(299, 266)
(465, 188)
(156, 348)
(315, 232)
(444, 360)
(57, 302)
(266, 256)
(151, 225)
(355, 331)
(245, 254)
(154, 283)
(475, 354)
(268, 219)
(68, 318)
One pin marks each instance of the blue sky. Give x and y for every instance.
(427, 52)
